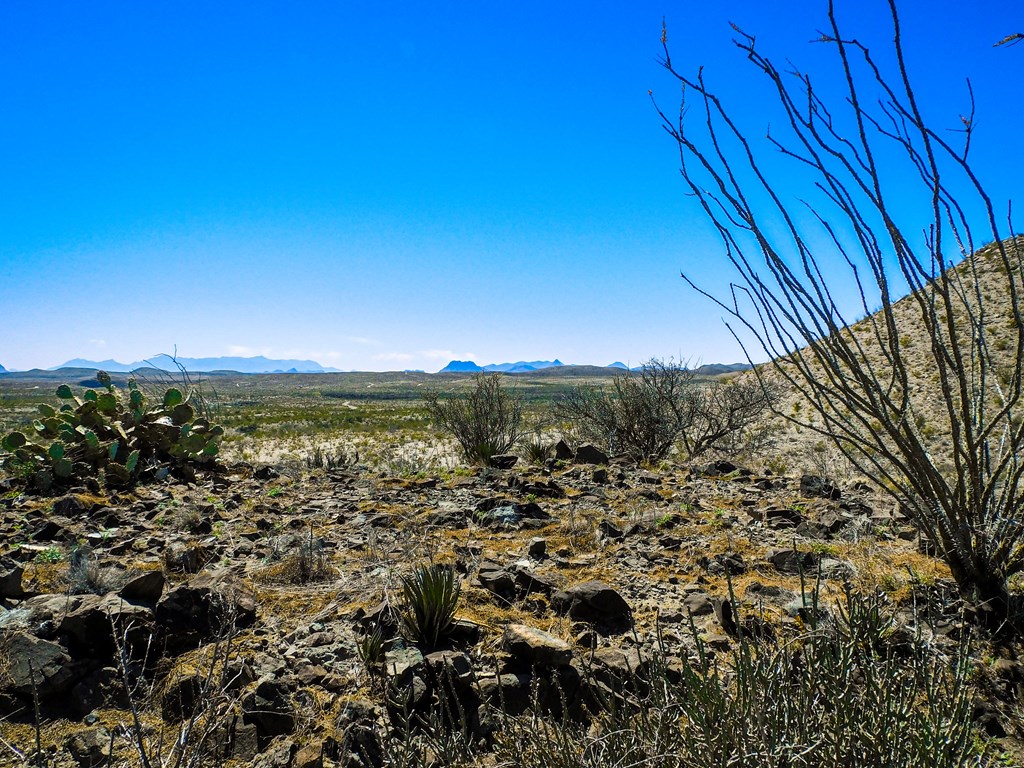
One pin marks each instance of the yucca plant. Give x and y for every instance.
(536, 449)
(430, 596)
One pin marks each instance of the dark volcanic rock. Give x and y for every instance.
(11, 574)
(818, 487)
(589, 454)
(793, 561)
(504, 461)
(37, 664)
(562, 451)
(145, 587)
(270, 707)
(593, 601)
(207, 605)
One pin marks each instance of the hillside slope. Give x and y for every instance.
(981, 291)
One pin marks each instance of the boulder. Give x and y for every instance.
(593, 601)
(534, 647)
(145, 587)
(589, 454)
(36, 663)
(562, 451)
(90, 622)
(205, 606)
(503, 461)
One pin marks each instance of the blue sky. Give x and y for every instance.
(387, 186)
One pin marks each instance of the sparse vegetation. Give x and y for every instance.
(486, 421)
(647, 413)
(321, 545)
(843, 694)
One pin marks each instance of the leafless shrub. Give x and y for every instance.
(727, 418)
(199, 737)
(965, 494)
(645, 413)
(486, 421)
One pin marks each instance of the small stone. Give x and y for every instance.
(90, 748)
(538, 547)
(818, 487)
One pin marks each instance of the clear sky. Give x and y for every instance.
(380, 186)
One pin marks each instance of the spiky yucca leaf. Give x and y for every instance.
(430, 596)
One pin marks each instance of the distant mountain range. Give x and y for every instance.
(203, 365)
(266, 365)
(466, 366)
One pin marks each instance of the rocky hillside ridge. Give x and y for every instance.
(801, 450)
(274, 578)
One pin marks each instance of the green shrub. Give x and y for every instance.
(429, 599)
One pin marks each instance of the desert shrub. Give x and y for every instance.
(645, 413)
(486, 421)
(298, 559)
(726, 417)
(430, 596)
(535, 448)
(843, 694)
(110, 434)
(863, 387)
(641, 414)
(84, 575)
(321, 458)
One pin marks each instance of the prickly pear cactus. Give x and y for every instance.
(109, 434)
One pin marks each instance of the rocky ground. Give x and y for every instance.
(250, 615)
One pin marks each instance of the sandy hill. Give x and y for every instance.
(981, 297)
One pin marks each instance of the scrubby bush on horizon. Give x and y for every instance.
(109, 435)
(890, 205)
(486, 421)
(646, 413)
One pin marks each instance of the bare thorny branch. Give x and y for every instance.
(857, 378)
